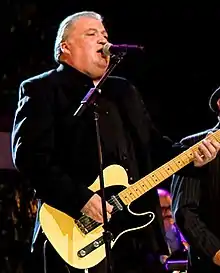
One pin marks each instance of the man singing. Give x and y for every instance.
(58, 152)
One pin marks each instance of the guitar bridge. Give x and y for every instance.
(81, 227)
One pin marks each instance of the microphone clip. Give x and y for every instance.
(88, 100)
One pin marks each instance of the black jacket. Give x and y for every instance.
(196, 201)
(57, 152)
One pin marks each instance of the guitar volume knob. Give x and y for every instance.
(82, 253)
(96, 244)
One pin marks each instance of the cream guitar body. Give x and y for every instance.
(83, 248)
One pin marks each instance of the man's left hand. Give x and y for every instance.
(208, 150)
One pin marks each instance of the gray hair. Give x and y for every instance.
(62, 32)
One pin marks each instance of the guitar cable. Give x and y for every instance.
(44, 254)
(45, 260)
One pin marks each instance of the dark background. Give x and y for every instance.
(176, 74)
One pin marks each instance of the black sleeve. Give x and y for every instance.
(185, 192)
(158, 144)
(33, 151)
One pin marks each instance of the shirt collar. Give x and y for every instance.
(72, 76)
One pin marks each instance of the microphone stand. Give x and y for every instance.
(90, 99)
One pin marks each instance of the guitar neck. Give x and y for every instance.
(154, 178)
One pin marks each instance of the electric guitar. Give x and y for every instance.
(80, 241)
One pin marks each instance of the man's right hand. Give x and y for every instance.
(93, 208)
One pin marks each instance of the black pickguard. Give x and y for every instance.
(124, 220)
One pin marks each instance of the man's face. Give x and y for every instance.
(165, 203)
(83, 47)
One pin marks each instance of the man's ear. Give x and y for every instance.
(64, 47)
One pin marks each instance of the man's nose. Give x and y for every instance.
(102, 40)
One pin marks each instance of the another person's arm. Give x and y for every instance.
(186, 198)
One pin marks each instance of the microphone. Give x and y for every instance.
(110, 49)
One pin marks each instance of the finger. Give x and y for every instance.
(109, 207)
(95, 216)
(198, 157)
(216, 144)
(205, 149)
(213, 148)
(94, 213)
(213, 141)
(98, 218)
(108, 216)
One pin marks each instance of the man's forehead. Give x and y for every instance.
(87, 23)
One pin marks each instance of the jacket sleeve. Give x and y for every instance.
(33, 152)
(155, 143)
(186, 192)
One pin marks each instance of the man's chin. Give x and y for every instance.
(100, 71)
(103, 66)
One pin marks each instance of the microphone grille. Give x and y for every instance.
(106, 48)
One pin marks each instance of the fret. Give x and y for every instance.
(189, 152)
(173, 165)
(179, 162)
(143, 184)
(149, 183)
(187, 157)
(153, 180)
(170, 165)
(130, 194)
(159, 174)
(125, 196)
(133, 190)
(155, 177)
(136, 189)
(168, 169)
(163, 172)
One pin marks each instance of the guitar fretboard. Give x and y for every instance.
(148, 182)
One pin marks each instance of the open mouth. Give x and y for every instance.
(100, 51)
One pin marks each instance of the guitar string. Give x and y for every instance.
(92, 223)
